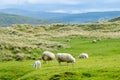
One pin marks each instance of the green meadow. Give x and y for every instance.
(104, 55)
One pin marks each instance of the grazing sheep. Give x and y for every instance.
(65, 57)
(47, 56)
(94, 41)
(98, 39)
(36, 64)
(83, 55)
(68, 40)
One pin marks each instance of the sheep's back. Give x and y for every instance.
(64, 57)
(48, 56)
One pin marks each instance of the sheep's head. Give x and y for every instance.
(73, 60)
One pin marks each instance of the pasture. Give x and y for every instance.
(104, 55)
(103, 63)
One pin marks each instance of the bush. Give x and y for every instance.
(28, 56)
(19, 57)
(6, 56)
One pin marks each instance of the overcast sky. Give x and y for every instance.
(63, 6)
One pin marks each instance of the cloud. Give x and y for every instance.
(69, 2)
(63, 6)
(7, 2)
(66, 11)
(15, 2)
(73, 11)
(58, 11)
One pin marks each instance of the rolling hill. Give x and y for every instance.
(91, 17)
(65, 17)
(115, 19)
(9, 19)
(34, 14)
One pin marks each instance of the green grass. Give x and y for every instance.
(103, 63)
(79, 44)
(94, 68)
(104, 55)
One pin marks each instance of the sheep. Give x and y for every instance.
(36, 64)
(68, 40)
(98, 39)
(48, 56)
(65, 57)
(83, 55)
(94, 41)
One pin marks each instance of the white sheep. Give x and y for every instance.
(83, 55)
(94, 41)
(47, 56)
(65, 57)
(36, 64)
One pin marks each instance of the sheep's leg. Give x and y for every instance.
(40, 65)
(72, 64)
(59, 63)
(67, 63)
(33, 65)
(36, 66)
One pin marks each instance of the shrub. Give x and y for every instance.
(19, 57)
(28, 56)
(6, 56)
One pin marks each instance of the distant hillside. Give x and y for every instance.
(90, 17)
(34, 14)
(9, 19)
(115, 19)
(65, 17)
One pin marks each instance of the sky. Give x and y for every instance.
(63, 6)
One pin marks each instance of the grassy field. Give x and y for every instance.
(94, 68)
(104, 56)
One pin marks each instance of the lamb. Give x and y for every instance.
(65, 57)
(83, 55)
(36, 64)
(48, 56)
